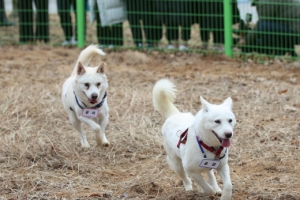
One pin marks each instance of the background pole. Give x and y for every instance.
(228, 27)
(80, 22)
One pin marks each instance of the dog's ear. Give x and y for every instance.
(100, 69)
(80, 69)
(205, 104)
(228, 102)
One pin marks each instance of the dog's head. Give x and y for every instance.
(219, 120)
(91, 83)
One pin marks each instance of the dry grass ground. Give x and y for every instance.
(40, 153)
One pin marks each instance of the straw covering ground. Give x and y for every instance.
(40, 153)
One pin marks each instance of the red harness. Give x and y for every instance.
(211, 149)
(183, 138)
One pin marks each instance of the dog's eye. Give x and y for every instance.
(98, 84)
(218, 121)
(87, 85)
(230, 120)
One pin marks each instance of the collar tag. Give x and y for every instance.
(90, 112)
(209, 163)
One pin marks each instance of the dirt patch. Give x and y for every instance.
(41, 157)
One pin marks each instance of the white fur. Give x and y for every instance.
(76, 83)
(185, 160)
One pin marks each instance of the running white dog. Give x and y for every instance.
(84, 96)
(196, 144)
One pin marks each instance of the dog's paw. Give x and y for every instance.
(86, 145)
(103, 144)
(188, 186)
(106, 144)
(218, 190)
(225, 197)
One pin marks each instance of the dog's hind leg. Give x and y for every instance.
(77, 125)
(213, 182)
(176, 164)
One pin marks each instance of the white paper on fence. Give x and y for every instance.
(110, 11)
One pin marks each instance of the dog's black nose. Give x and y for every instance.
(228, 135)
(94, 96)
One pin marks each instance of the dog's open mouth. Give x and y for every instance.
(93, 101)
(224, 142)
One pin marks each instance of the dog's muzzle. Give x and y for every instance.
(224, 141)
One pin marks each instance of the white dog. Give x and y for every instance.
(84, 96)
(196, 144)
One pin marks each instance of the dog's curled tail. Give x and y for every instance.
(164, 94)
(86, 56)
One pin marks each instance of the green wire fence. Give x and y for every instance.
(222, 26)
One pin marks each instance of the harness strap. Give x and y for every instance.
(77, 101)
(223, 155)
(211, 149)
(183, 138)
(102, 101)
(217, 152)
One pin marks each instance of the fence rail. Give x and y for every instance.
(224, 26)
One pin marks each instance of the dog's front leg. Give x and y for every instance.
(213, 182)
(77, 125)
(101, 139)
(227, 185)
(206, 188)
(83, 140)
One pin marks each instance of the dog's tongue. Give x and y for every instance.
(225, 142)
(92, 101)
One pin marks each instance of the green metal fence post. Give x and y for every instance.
(228, 27)
(80, 22)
